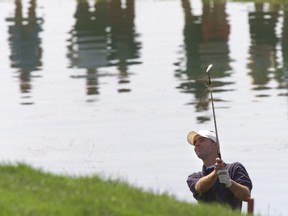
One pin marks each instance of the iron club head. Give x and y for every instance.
(209, 68)
(207, 71)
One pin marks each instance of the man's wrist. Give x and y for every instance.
(229, 183)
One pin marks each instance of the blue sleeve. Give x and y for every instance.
(191, 181)
(239, 174)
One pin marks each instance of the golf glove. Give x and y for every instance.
(224, 177)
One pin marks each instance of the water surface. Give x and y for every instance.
(114, 88)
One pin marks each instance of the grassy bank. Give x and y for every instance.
(26, 191)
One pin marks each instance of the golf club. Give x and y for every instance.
(250, 201)
(213, 109)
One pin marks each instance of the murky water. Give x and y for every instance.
(113, 88)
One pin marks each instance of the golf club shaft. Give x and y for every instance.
(213, 108)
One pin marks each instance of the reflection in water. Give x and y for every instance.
(265, 61)
(263, 43)
(103, 35)
(205, 42)
(282, 73)
(88, 47)
(25, 42)
(124, 48)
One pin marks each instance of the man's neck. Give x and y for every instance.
(209, 161)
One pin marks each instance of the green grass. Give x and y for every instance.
(27, 191)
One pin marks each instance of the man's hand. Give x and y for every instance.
(224, 177)
(219, 165)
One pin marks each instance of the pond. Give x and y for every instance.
(113, 88)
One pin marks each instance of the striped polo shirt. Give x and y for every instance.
(218, 192)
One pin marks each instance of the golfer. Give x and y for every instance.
(218, 182)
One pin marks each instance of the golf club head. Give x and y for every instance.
(209, 68)
(208, 72)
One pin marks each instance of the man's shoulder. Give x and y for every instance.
(195, 175)
(234, 165)
(239, 174)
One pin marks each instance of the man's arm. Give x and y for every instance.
(206, 182)
(240, 191)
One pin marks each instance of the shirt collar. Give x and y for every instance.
(208, 169)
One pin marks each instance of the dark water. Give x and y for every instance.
(114, 87)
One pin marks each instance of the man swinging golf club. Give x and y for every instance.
(218, 182)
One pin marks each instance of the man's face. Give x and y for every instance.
(204, 147)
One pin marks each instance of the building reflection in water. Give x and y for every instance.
(124, 46)
(25, 45)
(205, 42)
(103, 35)
(268, 53)
(282, 75)
(262, 62)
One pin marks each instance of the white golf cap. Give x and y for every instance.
(203, 133)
